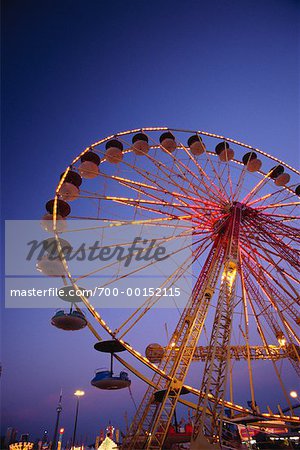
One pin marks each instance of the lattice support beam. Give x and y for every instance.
(209, 419)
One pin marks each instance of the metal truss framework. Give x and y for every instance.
(244, 238)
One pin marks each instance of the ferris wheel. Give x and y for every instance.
(236, 210)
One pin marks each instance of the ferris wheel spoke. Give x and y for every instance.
(140, 188)
(169, 282)
(133, 204)
(152, 300)
(173, 194)
(90, 326)
(142, 203)
(129, 200)
(221, 186)
(211, 186)
(282, 277)
(261, 333)
(282, 249)
(281, 272)
(288, 237)
(209, 189)
(266, 308)
(138, 201)
(206, 180)
(188, 191)
(290, 332)
(288, 195)
(240, 184)
(277, 205)
(169, 180)
(215, 176)
(109, 223)
(267, 279)
(196, 186)
(183, 171)
(246, 326)
(141, 267)
(172, 175)
(259, 241)
(286, 231)
(230, 181)
(222, 166)
(164, 222)
(259, 185)
(283, 217)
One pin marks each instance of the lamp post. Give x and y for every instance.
(77, 394)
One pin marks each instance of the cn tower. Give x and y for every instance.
(58, 410)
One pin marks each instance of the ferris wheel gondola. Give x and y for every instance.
(105, 379)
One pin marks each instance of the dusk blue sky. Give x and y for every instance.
(76, 71)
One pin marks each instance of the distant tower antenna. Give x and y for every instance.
(58, 410)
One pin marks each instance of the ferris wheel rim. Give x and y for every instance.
(162, 128)
(200, 132)
(145, 129)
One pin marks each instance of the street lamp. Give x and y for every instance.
(77, 394)
(294, 394)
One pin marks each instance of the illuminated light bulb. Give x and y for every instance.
(79, 393)
(281, 339)
(293, 394)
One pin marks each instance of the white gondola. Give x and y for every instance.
(104, 378)
(62, 207)
(71, 321)
(140, 144)
(251, 161)
(167, 141)
(89, 165)
(154, 352)
(196, 145)
(114, 151)
(47, 223)
(69, 192)
(224, 152)
(254, 165)
(88, 170)
(51, 267)
(276, 171)
(282, 179)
